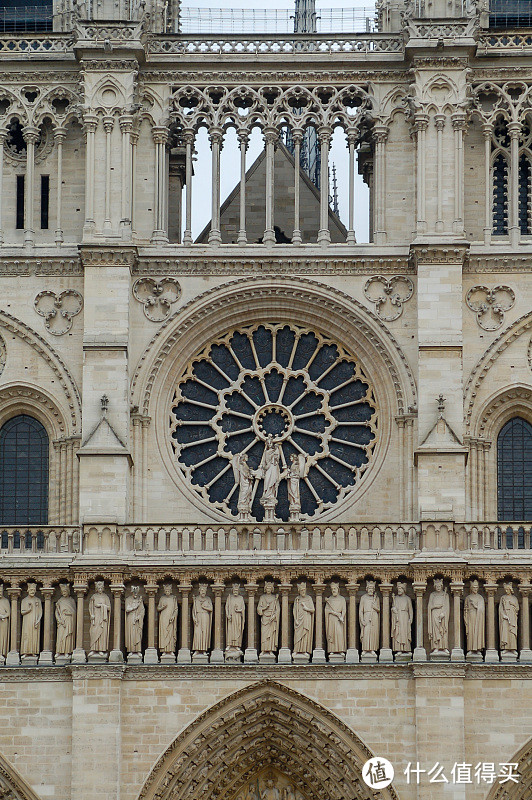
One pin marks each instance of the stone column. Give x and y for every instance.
(352, 655)
(514, 130)
(216, 139)
(116, 655)
(492, 654)
(151, 656)
(421, 123)
(90, 123)
(285, 656)
(79, 656)
(487, 130)
(459, 126)
(324, 135)
(243, 140)
(183, 656)
(46, 655)
(250, 654)
(126, 128)
(297, 138)
(457, 653)
(188, 138)
(108, 125)
(3, 137)
(160, 233)
(380, 135)
(13, 656)
(385, 654)
(420, 654)
(217, 654)
(318, 655)
(31, 137)
(525, 655)
(351, 140)
(439, 121)
(270, 140)
(59, 138)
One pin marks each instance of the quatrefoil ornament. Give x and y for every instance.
(389, 295)
(490, 305)
(58, 310)
(157, 296)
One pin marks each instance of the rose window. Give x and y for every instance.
(273, 422)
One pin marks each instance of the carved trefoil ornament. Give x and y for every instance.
(157, 296)
(58, 310)
(389, 295)
(490, 305)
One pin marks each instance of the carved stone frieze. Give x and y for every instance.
(14, 267)
(58, 310)
(108, 256)
(389, 295)
(157, 296)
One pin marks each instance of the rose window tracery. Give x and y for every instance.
(273, 422)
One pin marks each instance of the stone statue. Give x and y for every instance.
(303, 621)
(135, 610)
(235, 617)
(65, 616)
(295, 472)
(508, 614)
(269, 611)
(289, 792)
(335, 616)
(270, 791)
(438, 618)
(245, 477)
(474, 618)
(270, 470)
(168, 609)
(202, 618)
(5, 614)
(402, 616)
(369, 613)
(100, 617)
(31, 612)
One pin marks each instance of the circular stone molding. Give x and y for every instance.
(273, 422)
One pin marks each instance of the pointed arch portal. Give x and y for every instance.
(261, 731)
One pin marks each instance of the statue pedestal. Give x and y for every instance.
(217, 657)
(525, 656)
(386, 655)
(457, 654)
(29, 661)
(251, 656)
(167, 658)
(266, 658)
(233, 656)
(134, 658)
(420, 654)
(285, 656)
(369, 657)
(116, 657)
(183, 656)
(352, 656)
(440, 655)
(474, 658)
(46, 657)
(403, 658)
(492, 657)
(337, 658)
(301, 658)
(100, 658)
(62, 661)
(79, 656)
(508, 656)
(151, 656)
(318, 656)
(200, 658)
(13, 659)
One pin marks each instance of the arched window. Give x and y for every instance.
(23, 472)
(514, 471)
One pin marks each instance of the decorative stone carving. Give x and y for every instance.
(335, 619)
(402, 616)
(438, 618)
(100, 621)
(389, 295)
(270, 471)
(65, 617)
(202, 619)
(58, 310)
(3, 355)
(303, 621)
(490, 305)
(296, 471)
(235, 617)
(168, 609)
(5, 616)
(475, 619)
(31, 613)
(508, 614)
(135, 610)
(369, 615)
(270, 790)
(157, 296)
(245, 477)
(269, 611)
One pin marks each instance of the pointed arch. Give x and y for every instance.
(266, 724)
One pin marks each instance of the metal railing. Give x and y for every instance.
(273, 20)
(29, 19)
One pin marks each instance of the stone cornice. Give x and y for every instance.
(22, 265)
(452, 253)
(112, 256)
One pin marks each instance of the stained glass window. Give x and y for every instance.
(514, 471)
(23, 472)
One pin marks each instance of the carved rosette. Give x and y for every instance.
(389, 295)
(293, 386)
(58, 310)
(157, 296)
(490, 305)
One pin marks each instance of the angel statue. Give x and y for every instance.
(297, 470)
(245, 478)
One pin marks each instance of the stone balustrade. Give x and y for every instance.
(45, 539)
(340, 615)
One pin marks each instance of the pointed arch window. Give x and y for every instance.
(24, 468)
(514, 470)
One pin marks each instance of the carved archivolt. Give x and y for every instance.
(522, 790)
(389, 295)
(513, 401)
(58, 309)
(3, 355)
(490, 305)
(265, 725)
(20, 398)
(12, 786)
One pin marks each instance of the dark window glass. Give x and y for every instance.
(45, 200)
(514, 471)
(500, 196)
(524, 195)
(24, 456)
(26, 15)
(510, 13)
(20, 202)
